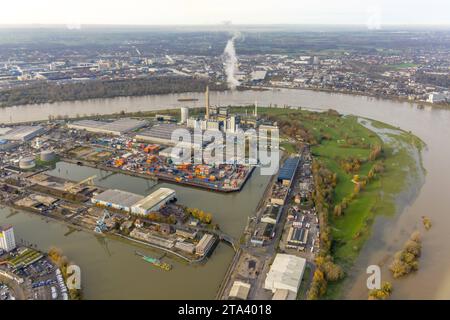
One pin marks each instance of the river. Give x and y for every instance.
(431, 125)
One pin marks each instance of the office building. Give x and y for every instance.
(7, 240)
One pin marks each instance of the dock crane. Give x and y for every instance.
(88, 181)
(101, 225)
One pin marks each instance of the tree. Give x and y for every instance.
(381, 294)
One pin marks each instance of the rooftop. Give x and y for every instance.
(288, 169)
(240, 290)
(119, 197)
(118, 126)
(154, 198)
(286, 272)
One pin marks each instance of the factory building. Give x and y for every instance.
(240, 290)
(287, 172)
(117, 127)
(205, 244)
(161, 134)
(271, 214)
(286, 273)
(21, 133)
(7, 240)
(153, 202)
(117, 199)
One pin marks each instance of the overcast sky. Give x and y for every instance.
(373, 13)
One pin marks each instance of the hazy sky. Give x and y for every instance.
(373, 13)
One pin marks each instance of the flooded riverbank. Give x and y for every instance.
(110, 268)
(431, 125)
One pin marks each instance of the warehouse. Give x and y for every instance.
(287, 172)
(117, 199)
(205, 244)
(153, 202)
(162, 134)
(297, 236)
(240, 290)
(117, 127)
(271, 214)
(286, 273)
(21, 133)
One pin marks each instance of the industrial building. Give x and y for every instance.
(184, 114)
(134, 203)
(161, 134)
(271, 214)
(240, 290)
(297, 236)
(117, 199)
(21, 133)
(185, 246)
(117, 127)
(205, 244)
(287, 171)
(7, 240)
(153, 202)
(286, 273)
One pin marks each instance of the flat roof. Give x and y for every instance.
(288, 169)
(161, 131)
(286, 272)
(120, 125)
(240, 290)
(20, 132)
(154, 198)
(118, 197)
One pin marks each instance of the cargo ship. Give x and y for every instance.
(155, 262)
(187, 99)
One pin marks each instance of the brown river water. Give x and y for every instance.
(110, 269)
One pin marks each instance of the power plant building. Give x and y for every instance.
(184, 114)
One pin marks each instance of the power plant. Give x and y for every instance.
(207, 102)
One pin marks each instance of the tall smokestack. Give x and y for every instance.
(207, 102)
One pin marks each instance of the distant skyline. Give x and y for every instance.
(373, 14)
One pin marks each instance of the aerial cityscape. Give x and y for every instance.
(216, 158)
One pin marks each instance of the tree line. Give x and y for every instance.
(48, 92)
(326, 270)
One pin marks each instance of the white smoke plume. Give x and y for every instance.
(231, 62)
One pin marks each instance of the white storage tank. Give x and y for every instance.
(27, 163)
(47, 155)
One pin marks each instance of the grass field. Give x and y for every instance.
(339, 138)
